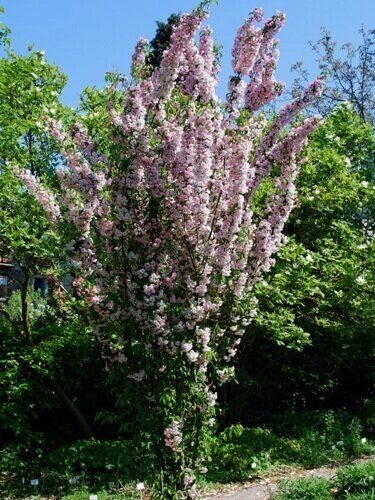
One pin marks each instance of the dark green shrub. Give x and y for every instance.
(238, 453)
(308, 439)
(97, 462)
(91, 463)
(323, 436)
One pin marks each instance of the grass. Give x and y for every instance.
(83, 494)
(304, 489)
(355, 480)
(352, 482)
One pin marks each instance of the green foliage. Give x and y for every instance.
(33, 419)
(360, 496)
(73, 471)
(39, 306)
(83, 466)
(37, 361)
(29, 88)
(314, 488)
(355, 480)
(312, 344)
(4, 32)
(126, 493)
(307, 439)
(161, 40)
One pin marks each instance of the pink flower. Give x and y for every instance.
(173, 436)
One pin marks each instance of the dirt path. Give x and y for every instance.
(263, 489)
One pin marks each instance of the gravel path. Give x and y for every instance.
(264, 488)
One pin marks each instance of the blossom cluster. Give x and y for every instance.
(173, 436)
(44, 197)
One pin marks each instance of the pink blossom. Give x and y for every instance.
(173, 436)
(44, 197)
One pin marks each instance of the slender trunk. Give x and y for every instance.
(25, 307)
(72, 408)
(58, 389)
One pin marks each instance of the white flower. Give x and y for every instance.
(211, 398)
(186, 346)
(192, 355)
(309, 258)
(140, 486)
(363, 440)
(138, 377)
(364, 184)
(253, 465)
(360, 280)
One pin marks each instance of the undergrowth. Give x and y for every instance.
(236, 454)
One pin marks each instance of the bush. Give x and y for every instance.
(308, 439)
(313, 488)
(355, 480)
(239, 452)
(323, 437)
(90, 463)
(84, 493)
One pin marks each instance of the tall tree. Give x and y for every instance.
(312, 344)
(165, 240)
(161, 40)
(29, 88)
(350, 74)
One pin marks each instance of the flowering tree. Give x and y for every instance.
(168, 236)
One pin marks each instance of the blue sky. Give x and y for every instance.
(86, 38)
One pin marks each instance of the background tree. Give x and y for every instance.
(312, 344)
(349, 76)
(161, 40)
(40, 356)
